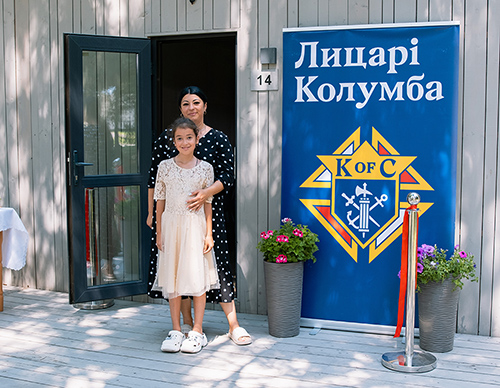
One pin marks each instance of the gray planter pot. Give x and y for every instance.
(284, 297)
(437, 315)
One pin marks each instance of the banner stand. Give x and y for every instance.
(410, 361)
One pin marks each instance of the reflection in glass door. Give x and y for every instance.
(109, 147)
(112, 229)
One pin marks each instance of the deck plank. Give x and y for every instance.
(44, 341)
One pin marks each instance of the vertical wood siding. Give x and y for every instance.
(32, 129)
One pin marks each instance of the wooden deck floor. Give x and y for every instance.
(44, 341)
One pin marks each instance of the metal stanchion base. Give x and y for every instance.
(95, 304)
(421, 362)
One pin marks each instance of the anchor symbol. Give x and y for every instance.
(364, 208)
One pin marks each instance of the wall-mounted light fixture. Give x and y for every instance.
(192, 1)
(268, 56)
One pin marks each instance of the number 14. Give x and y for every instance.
(267, 79)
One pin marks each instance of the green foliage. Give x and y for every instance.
(289, 244)
(434, 266)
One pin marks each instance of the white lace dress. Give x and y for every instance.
(182, 267)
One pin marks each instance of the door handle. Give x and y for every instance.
(77, 164)
(83, 164)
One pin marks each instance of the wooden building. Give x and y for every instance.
(34, 167)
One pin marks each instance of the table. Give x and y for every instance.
(13, 243)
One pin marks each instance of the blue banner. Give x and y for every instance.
(369, 115)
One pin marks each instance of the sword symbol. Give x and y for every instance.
(350, 200)
(379, 202)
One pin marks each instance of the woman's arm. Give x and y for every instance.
(223, 165)
(224, 161)
(200, 196)
(149, 220)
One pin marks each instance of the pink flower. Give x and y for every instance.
(282, 238)
(285, 220)
(281, 259)
(298, 233)
(270, 232)
(462, 254)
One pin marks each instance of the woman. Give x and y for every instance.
(215, 148)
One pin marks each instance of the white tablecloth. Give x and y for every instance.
(15, 239)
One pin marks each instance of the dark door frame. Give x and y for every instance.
(75, 44)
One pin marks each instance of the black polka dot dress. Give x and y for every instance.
(216, 149)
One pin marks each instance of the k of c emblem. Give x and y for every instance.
(365, 180)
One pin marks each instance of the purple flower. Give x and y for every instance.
(420, 267)
(425, 251)
(420, 252)
(428, 250)
(399, 274)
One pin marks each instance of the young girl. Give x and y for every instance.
(186, 263)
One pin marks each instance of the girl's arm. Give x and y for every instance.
(209, 240)
(161, 151)
(160, 207)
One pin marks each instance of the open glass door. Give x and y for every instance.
(108, 91)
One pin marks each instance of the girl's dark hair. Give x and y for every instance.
(192, 90)
(183, 122)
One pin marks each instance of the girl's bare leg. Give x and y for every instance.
(199, 303)
(187, 317)
(175, 312)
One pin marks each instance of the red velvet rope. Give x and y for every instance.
(404, 271)
(96, 258)
(87, 229)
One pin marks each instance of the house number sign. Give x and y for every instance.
(264, 80)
